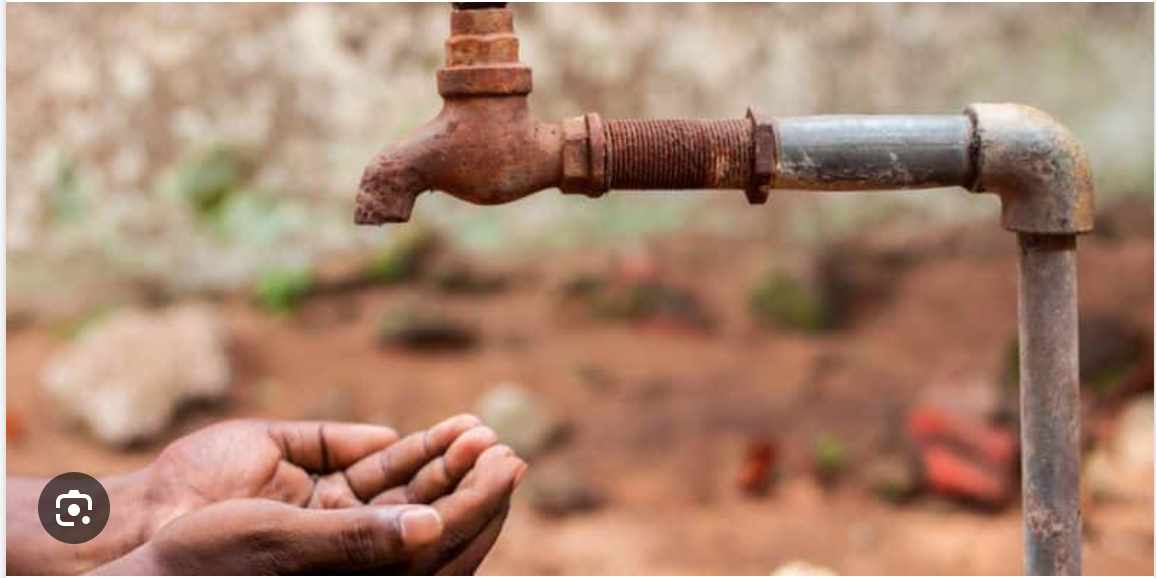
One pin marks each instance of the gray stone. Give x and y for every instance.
(521, 420)
(560, 490)
(124, 378)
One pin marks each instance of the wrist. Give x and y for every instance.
(137, 508)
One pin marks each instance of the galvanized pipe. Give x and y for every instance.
(1049, 403)
(858, 152)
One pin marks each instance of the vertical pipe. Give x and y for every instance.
(1049, 403)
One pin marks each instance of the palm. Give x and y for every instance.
(311, 464)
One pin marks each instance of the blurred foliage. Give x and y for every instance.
(76, 326)
(281, 291)
(207, 179)
(784, 300)
(67, 197)
(830, 456)
(403, 259)
(275, 190)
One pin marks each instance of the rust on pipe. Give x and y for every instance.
(679, 154)
(486, 148)
(1049, 403)
(1037, 168)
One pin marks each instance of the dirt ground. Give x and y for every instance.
(661, 432)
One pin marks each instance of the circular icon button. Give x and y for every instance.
(74, 508)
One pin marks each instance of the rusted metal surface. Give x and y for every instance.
(763, 172)
(1036, 166)
(485, 147)
(855, 153)
(679, 154)
(1050, 403)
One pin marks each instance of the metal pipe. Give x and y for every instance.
(1049, 403)
(857, 152)
(486, 148)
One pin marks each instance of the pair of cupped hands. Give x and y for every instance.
(280, 497)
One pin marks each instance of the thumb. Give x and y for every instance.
(357, 538)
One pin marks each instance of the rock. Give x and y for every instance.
(1134, 436)
(125, 378)
(1110, 347)
(802, 568)
(964, 456)
(1122, 468)
(560, 490)
(521, 420)
(892, 478)
(426, 330)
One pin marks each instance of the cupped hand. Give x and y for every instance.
(274, 467)
(308, 463)
(390, 536)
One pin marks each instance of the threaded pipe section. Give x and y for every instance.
(679, 154)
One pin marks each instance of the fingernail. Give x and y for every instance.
(520, 474)
(420, 525)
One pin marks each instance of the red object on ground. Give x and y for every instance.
(964, 457)
(758, 466)
(992, 444)
(952, 474)
(15, 426)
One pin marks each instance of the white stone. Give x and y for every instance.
(125, 378)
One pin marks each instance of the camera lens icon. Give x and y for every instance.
(73, 509)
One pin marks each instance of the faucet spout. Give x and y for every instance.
(391, 184)
(484, 146)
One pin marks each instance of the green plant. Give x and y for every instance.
(67, 197)
(403, 259)
(780, 299)
(282, 290)
(206, 179)
(830, 455)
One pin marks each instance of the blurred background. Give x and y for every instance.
(700, 386)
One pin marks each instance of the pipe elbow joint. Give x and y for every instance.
(1035, 165)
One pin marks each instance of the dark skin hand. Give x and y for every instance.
(286, 497)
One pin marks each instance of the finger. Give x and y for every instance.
(466, 563)
(396, 464)
(325, 446)
(332, 491)
(358, 538)
(478, 498)
(439, 476)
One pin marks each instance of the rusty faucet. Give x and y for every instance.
(486, 148)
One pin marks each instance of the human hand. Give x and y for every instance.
(312, 465)
(263, 536)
